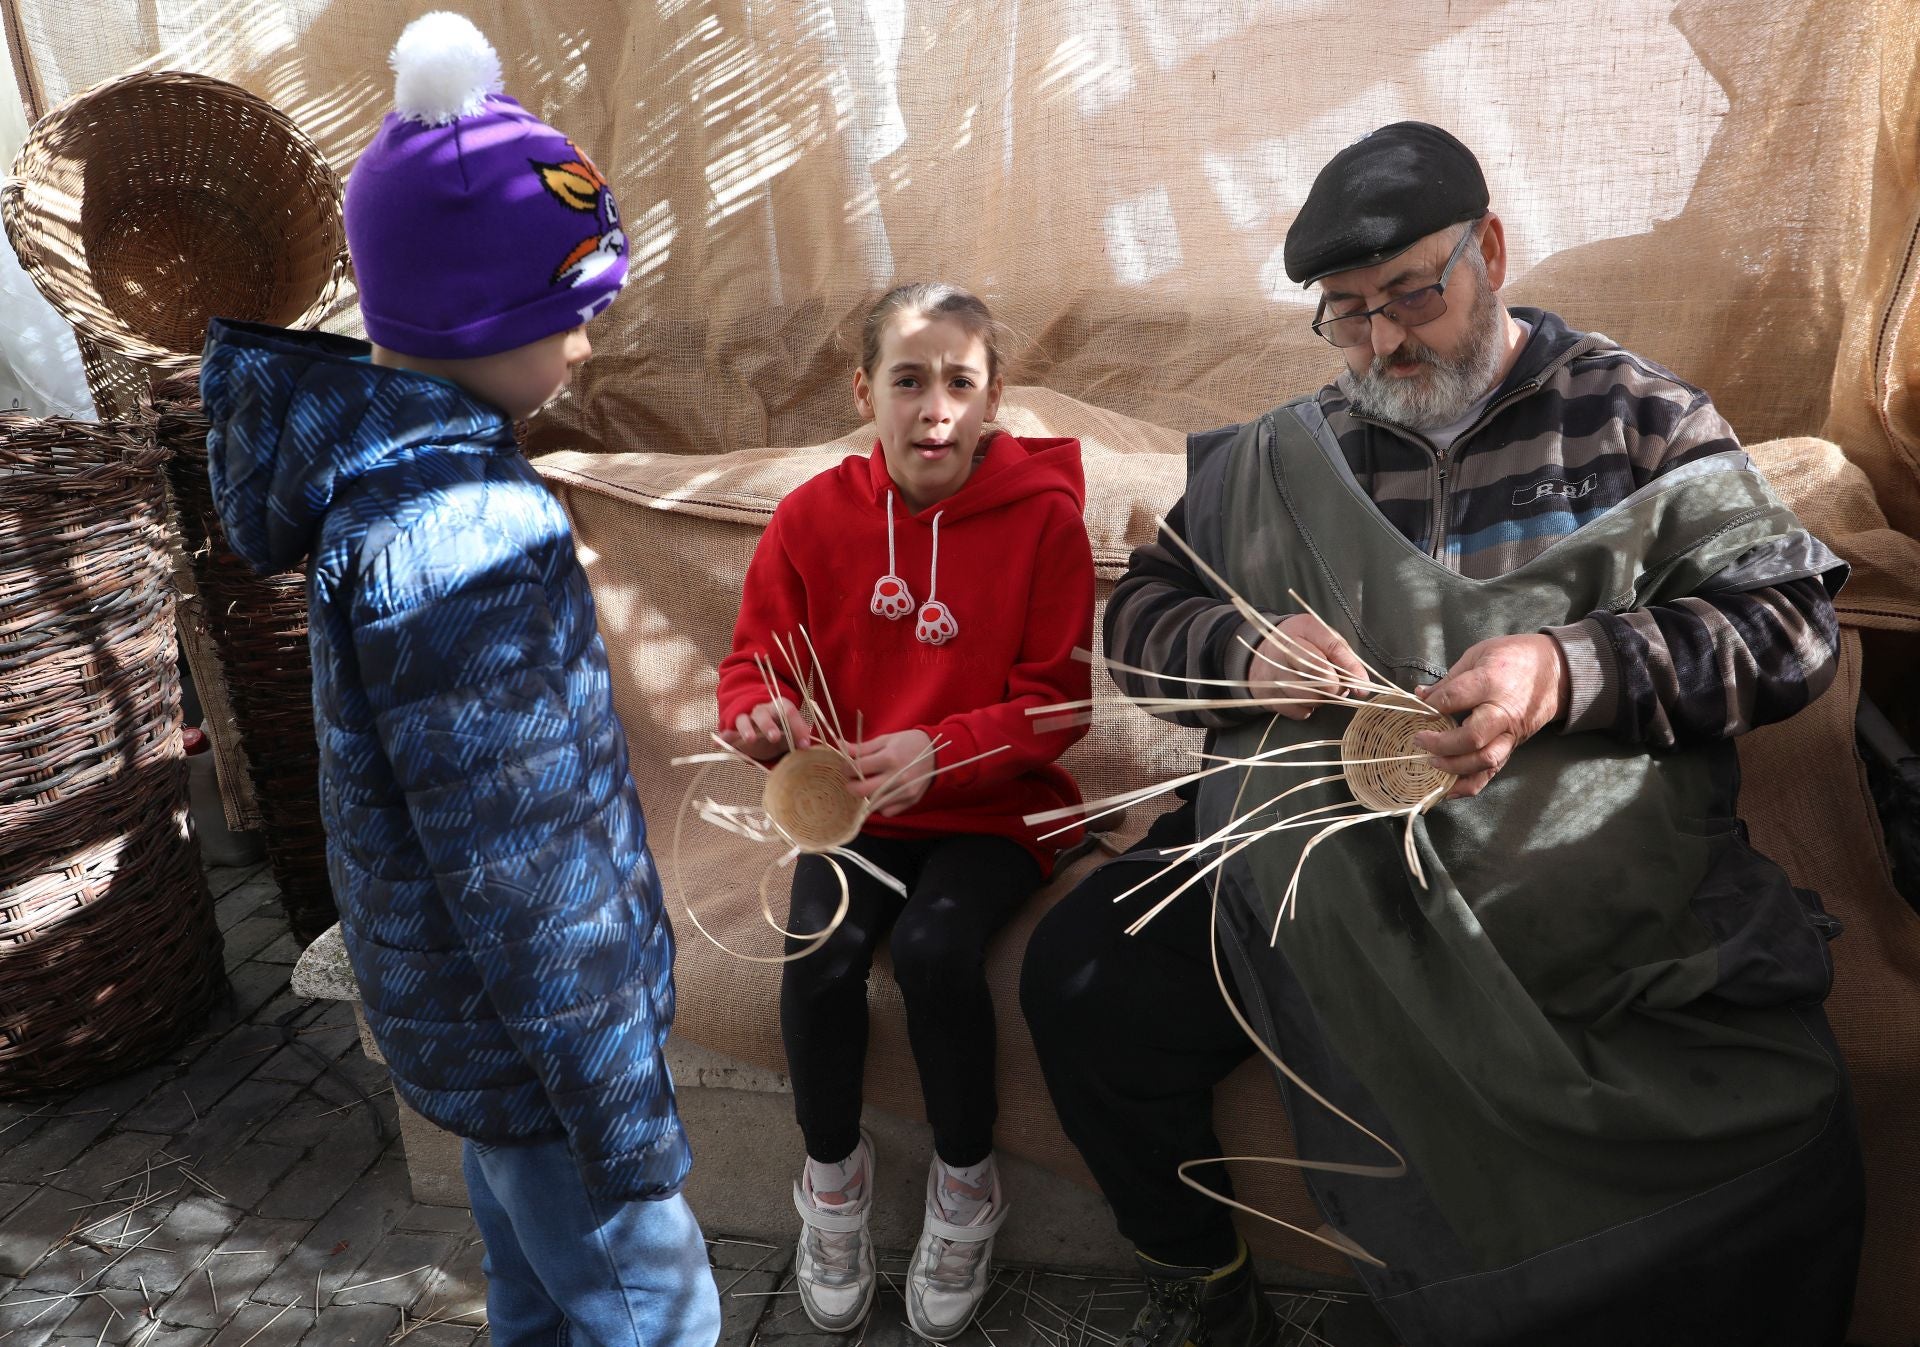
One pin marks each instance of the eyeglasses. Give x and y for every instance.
(1413, 309)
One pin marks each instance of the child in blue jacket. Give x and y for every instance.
(484, 840)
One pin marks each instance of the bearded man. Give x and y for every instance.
(1594, 1032)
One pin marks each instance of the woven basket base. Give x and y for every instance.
(806, 796)
(1383, 732)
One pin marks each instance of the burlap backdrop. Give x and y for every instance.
(1729, 186)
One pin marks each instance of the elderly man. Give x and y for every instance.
(1600, 1100)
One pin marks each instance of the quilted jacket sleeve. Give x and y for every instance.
(488, 685)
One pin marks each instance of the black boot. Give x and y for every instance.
(1203, 1307)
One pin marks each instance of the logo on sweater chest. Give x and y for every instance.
(1556, 489)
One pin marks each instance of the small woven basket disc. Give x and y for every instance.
(806, 797)
(146, 205)
(1380, 732)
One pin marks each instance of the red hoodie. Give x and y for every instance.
(1017, 571)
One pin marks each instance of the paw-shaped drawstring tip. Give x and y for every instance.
(891, 599)
(936, 625)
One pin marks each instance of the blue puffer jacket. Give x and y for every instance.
(483, 836)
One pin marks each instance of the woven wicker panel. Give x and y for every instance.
(108, 949)
(259, 626)
(120, 384)
(202, 659)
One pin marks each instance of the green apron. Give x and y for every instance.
(1603, 1003)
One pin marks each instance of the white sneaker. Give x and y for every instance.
(833, 1265)
(952, 1265)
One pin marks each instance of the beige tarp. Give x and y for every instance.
(1728, 186)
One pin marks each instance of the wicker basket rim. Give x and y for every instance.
(25, 203)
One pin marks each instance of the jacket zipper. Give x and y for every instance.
(1441, 461)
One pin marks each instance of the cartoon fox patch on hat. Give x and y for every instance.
(578, 185)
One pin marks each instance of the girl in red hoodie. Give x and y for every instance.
(945, 579)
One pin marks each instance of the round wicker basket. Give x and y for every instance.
(149, 204)
(108, 949)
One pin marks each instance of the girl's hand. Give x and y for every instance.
(758, 734)
(885, 778)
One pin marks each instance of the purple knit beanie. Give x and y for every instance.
(474, 227)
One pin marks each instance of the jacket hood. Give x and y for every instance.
(295, 418)
(1012, 469)
(1551, 344)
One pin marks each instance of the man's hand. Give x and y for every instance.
(1506, 690)
(1280, 672)
(758, 734)
(884, 775)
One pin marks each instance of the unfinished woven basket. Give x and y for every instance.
(145, 206)
(108, 949)
(1383, 768)
(259, 626)
(806, 796)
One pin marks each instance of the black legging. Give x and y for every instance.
(1132, 1037)
(963, 889)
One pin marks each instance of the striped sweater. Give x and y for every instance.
(1577, 426)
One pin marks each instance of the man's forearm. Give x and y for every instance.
(1163, 617)
(1702, 668)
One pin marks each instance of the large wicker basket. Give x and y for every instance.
(259, 626)
(108, 949)
(145, 206)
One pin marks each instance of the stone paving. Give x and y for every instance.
(250, 1191)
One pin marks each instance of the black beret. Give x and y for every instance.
(1380, 196)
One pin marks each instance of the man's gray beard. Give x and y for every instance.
(1450, 386)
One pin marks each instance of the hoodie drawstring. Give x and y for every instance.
(893, 600)
(936, 625)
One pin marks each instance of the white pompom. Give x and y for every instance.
(443, 69)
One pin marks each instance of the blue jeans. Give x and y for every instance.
(566, 1269)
